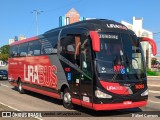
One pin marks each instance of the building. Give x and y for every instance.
(137, 27)
(70, 17)
(16, 38)
(21, 37)
(11, 41)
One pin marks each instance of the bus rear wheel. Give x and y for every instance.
(67, 99)
(20, 89)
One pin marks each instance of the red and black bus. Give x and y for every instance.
(98, 64)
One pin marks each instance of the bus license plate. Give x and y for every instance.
(127, 102)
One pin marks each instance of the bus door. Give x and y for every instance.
(82, 83)
(86, 81)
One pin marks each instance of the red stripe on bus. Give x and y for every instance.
(76, 101)
(83, 103)
(113, 106)
(87, 104)
(115, 88)
(25, 40)
(116, 106)
(54, 95)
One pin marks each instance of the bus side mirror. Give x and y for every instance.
(95, 41)
(151, 42)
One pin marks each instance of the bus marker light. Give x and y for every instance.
(67, 69)
(139, 86)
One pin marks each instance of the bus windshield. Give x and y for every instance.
(120, 58)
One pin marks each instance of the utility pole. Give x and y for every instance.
(37, 13)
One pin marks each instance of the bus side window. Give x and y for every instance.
(77, 51)
(49, 43)
(86, 57)
(13, 51)
(23, 49)
(68, 48)
(34, 48)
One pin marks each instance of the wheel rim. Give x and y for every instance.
(67, 98)
(20, 86)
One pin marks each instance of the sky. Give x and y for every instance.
(16, 17)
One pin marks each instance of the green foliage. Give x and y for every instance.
(154, 61)
(4, 53)
(152, 73)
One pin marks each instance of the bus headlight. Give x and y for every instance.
(145, 93)
(100, 94)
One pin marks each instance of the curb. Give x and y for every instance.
(153, 76)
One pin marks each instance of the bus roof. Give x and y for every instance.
(24, 40)
(94, 24)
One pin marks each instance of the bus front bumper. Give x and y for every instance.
(115, 106)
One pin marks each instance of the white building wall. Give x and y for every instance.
(11, 41)
(137, 27)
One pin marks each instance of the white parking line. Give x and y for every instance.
(153, 101)
(5, 85)
(153, 85)
(152, 91)
(9, 106)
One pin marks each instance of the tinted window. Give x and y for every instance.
(68, 48)
(23, 49)
(120, 57)
(34, 48)
(14, 51)
(49, 43)
(86, 58)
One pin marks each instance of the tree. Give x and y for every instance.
(154, 61)
(4, 53)
(4, 49)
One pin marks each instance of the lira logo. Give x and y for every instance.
(43, 75)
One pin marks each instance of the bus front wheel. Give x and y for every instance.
(67, 101)
(20, 89)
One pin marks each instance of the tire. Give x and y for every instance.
(20, 89)
(67, 102)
